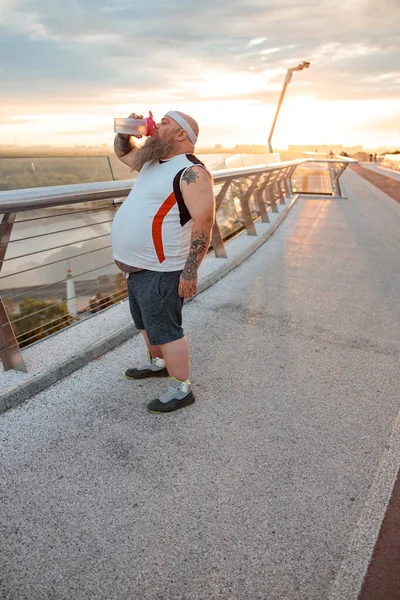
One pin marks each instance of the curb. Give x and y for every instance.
(73, 363)
(43, 381)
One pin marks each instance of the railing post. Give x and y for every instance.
(10, 353)
(248, 221)
(111, 169)
(288, 187)
(271, 198)
(335, 178)
(279, 192)
(216, 237)
(289, 180)
(244, 203)
(261, 204)
(218, 242)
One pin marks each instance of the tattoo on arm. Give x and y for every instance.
(190, 176)
(198, 248)
(123, 144)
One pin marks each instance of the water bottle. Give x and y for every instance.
(136, 127)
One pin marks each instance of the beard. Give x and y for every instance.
(153, 149)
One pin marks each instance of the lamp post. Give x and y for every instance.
(288, 78)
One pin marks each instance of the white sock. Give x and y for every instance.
(158, 362)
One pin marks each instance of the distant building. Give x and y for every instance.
(320, 148)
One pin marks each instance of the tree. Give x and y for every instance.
(36, 319)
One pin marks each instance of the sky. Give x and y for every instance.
(68, 68)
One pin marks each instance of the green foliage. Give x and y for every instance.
(36, 319)
(21, 173)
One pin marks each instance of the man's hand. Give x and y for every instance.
(187, 285)
(135, 116)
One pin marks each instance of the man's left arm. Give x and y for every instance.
(198, 194)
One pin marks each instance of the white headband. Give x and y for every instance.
(184, 124)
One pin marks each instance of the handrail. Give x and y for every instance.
(242, 195)
(58, 195)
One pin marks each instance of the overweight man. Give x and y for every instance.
(159, 237)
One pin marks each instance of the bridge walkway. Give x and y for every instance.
(275, 483)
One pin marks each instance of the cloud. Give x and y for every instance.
(81, 132)
(179, 51)
(257, 41)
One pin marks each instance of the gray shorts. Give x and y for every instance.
(156, 305)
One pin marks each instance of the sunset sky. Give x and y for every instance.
(67, 69)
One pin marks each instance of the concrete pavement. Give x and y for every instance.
(267, 487)
(384, 179)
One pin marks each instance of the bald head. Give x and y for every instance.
(187, 123)
(192, 122)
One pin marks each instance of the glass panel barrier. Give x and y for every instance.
(31, 172)
(312, 178)
(58, 266)
(21, 173)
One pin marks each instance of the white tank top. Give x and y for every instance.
(152, 228)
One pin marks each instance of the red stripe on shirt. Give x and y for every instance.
(156, 228)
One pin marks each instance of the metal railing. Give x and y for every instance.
(391, 161)
(56, 263)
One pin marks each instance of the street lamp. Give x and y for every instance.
(288, 78)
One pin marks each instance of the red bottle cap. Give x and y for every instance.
(150, 124)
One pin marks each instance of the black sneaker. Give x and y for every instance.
(154, 368)
(178, 395)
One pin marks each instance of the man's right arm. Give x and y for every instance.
(124, 146)
(125, 149)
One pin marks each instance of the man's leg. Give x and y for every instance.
(177, 358)
(154, 351)
(154, 366)
(178, 393)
